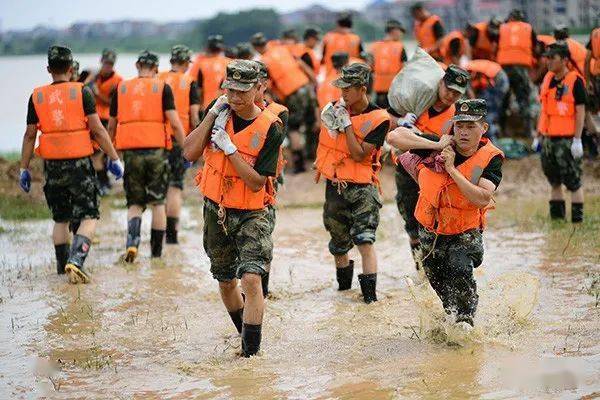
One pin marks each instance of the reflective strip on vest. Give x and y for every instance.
(441, 207)
(557, 117)
(62, 121)
(333, 156)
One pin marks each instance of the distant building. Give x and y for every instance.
(545, 14)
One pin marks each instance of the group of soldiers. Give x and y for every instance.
(242, 118)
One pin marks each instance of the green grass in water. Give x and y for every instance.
(19, 209)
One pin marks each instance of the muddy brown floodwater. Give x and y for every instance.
(157, 329)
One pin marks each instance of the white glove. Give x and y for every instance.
(577, 148)
(222, 118)
(328, 118)
(408, 121)
(221, 139)
(220, 105)
(535, 144)
(342, 117)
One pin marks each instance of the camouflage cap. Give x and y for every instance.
(59, 54)
(146, 57)
(180, 53)
(311, 33)
(339, 59)
(470, 110)
(108, 56)
(392, 24)
(561, 32)
(356, 74)
(242, 75)
(244, 51)
(258, 39)
(560, 48)
(263, 72)
(456, 78)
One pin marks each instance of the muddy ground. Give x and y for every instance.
(157, 329)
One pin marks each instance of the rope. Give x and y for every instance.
(222, 214)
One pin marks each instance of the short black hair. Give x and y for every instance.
(345, 20)
(311, 33)
(416, 7)
(59, 67)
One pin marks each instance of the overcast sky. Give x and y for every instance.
(24, 14)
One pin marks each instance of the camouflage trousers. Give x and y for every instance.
(448, 261)
(300, 108)
(520, 85)
(406, 199)
(558, 163)
(238, 242)
(176, 167)
(71, 189)
(494, 97)
(350, 215)
(146, 176)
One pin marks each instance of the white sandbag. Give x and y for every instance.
(415, 87)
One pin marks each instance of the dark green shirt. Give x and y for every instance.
(89, 105)
(266, 161)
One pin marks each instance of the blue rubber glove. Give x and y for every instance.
(25, 180)
(115, 167)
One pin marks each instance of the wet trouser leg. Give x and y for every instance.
(406, 199)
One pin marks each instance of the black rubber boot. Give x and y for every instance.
(157, 238)
(62, 255)
(265, 284)
(171, 234)
(236, 317)
(344, 276)
(576, 213)
(298, 160)
(134, 226)
(557, 209)
(79, 251)
(251, 335)
(368, 284)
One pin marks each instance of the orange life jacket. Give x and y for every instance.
(277, 109)
(483, 46)
(387, 55)
(557, 117)
(181, 86)
(578, 54)
(62, 121)
(220, 182)
(423, 32)
(514, 44)
(299, 49)
(435, 124)
(483, 73)
(140, 116)
(326, 92)
(284, 71)
(547, 40)
(106, 87)
(445, 46)
(213, 69)
(333, 156)
(335, 42)
(442, 208)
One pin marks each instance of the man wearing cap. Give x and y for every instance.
(187, 103)
(244, 51)
(208, 69)
(483, 38)
(240, 143)
(428, 29)
(341, 39)
(516, 46)
(562, 116)
(389, 56)
(349, 159)
(291, 87)
(139, 111)
(103, 85)
(452, 204)
(65, 113)
(434, 123)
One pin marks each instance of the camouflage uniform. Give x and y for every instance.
(299, 105)
(240, 244)
(176, 167)
(71, 189)
(406, 200)
(448, 261)
(520, 85)
(350, 215)
(558, 163)
(146, 176)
